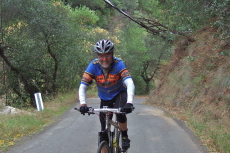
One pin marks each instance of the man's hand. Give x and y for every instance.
(84, 109)
(128, 108)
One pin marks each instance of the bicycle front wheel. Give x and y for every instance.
(103, 147)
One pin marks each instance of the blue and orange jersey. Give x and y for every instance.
(108, 87)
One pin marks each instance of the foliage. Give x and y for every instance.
(150, 7)
(139, 50)
(98, 6)
(199, 85)
(83, 15)
(220, 10)
(128, 5)
(187, 16)
(46, 30)
(63, 36)
(93, 5)
(131, 50)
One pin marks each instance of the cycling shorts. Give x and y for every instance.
(117, 102)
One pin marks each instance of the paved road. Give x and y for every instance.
(150, 131)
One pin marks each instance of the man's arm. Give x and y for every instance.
(130, 89)
(82, 94)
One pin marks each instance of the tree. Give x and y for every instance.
(151, 25)
(142, 54)
(39, 44)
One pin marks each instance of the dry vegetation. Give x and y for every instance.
(195, 86)
(16, 126)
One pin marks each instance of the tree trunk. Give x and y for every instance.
(28, 86)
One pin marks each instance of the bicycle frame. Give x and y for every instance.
(112, 136)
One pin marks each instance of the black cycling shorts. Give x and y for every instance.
(117, 102)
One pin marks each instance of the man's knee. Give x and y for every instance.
(121, 118)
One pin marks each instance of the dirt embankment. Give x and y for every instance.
(197, 81)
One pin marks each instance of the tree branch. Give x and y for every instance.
(151, 26)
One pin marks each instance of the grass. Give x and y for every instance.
(196, 90)
(14, 127)
(203, 107)
(213, 134)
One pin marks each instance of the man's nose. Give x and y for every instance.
(104, 58)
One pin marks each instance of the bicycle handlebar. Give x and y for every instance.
(104, 110)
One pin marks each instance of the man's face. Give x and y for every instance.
(105, 59)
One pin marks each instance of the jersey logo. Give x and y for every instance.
(109, 82)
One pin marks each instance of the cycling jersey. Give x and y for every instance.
(110, 86)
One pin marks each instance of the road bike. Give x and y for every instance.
(109, 139)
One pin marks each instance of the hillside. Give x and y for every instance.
(195, 87)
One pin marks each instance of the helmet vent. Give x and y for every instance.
(107, 48)
(103, 46)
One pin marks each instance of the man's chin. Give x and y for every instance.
(105, 67)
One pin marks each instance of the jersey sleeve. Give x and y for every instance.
(124, 72)
(88, 75)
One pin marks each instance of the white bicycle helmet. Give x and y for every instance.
(104, 46)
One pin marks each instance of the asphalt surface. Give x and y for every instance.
(150, 131)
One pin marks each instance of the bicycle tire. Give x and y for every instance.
(103, 147)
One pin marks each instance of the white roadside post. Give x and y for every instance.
(39, 102)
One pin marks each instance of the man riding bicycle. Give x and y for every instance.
(114, 83)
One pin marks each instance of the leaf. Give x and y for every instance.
(2, 142)
(11, 143)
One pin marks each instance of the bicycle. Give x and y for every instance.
(109, 140)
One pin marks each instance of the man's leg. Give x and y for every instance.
(123, 126)
(124, 134)
(119, 101)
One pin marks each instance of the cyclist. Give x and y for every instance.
(114, 83)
